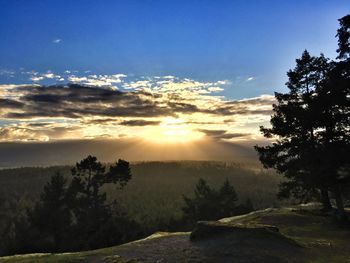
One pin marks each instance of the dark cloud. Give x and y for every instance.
(39, 124)
(222, 134)
(233, 135)
(101, 121)
(9, 104)
(139, 123)
(263, 100)
(76, 101)
(183, 107)
(213, 132)
(237, 109)
(244, 107)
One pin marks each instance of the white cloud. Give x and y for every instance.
(250, 78)
(57, 40)
(5, 72)
(36, 79)
(98, 80)
(215, 89)
(50, 75)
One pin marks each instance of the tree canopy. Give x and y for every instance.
(311, 126)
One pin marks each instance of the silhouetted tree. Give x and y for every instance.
(211, 204)
(51, 215)
(89, 203)
(311, 126)
(227, 197)
(334, 118)
(201, 206)
(343, 34)
(294, 123)
(77, 216)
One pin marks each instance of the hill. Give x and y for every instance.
(298, 234)
(153, 197)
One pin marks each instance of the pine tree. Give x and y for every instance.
(295, 152)
(51, 215)
(312, 126)
(88, 201)
(228, 198)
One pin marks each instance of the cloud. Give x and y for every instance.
(250, 78)
(136, 106)
(223, 134)
(98, 80)
(57, 41)
(174, 85)
(38, 132)
(9, 104)
(139, 123)
(77, 101)
(37, 77)
(7, 73)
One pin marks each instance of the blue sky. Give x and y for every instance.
(201, 40)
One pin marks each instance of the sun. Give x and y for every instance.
(173, 130)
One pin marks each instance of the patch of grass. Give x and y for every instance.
(49, 258)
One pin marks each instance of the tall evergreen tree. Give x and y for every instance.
(311, 123)
(51, 215)
(212, 204)
(88, 201)
(294, 123)
(334, 117)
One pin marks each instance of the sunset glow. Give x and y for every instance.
(170, 74)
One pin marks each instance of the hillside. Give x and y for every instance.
(153, 196)
(299, 234)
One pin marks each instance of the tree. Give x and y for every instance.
(77, 216)
(51, 215)
(212, 204)
(294, 153)
(227, 198)
(311, 126)
(89, 202)
(343, 34)
(334, 118)
(201, 207)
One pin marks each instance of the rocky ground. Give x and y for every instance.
(299, 234)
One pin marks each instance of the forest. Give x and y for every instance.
(153, 198)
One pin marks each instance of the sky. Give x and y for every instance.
(163, 72)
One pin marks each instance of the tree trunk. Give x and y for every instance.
(341, 214)
(327, 206)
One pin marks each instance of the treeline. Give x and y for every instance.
(76, 214)
(311, 124)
